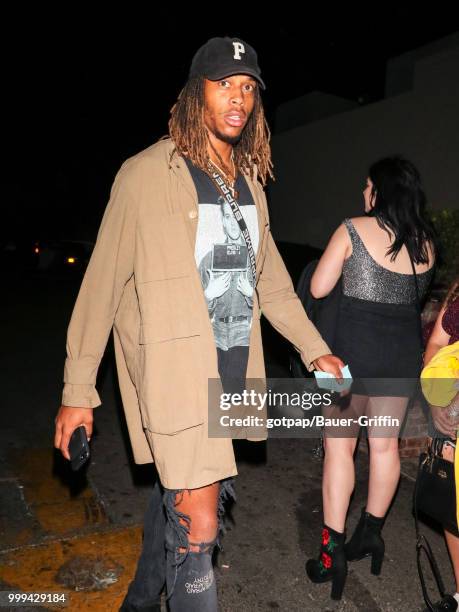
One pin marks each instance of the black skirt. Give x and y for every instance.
(381, 344)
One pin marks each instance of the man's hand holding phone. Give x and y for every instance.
(68, 419)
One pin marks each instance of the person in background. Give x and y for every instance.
(446, 420)
(385, 259)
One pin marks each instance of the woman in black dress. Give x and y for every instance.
(386, 261)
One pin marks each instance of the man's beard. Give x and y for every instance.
(232, 140)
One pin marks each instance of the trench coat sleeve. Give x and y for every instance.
(110, 267)
(283, 309)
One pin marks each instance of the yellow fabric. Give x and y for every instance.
(445, 364)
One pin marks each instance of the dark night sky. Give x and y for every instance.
(84, 93)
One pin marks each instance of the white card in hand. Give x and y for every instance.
(329, 382)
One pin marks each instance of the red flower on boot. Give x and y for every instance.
(325, 537)
(326, 561)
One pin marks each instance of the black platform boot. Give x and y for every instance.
(367, 541)
(331, 564)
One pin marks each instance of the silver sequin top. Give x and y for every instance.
(365, 279)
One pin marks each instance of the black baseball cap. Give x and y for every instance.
(222, 57)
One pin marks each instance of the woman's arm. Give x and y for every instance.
(330, 266)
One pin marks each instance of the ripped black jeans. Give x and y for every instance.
(188, 575)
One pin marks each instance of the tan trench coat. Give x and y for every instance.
(142, 281)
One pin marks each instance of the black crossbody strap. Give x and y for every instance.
(418, 300)
(226, 193)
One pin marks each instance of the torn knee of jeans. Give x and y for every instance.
(226, 493)
(203, 547)
(178, 522)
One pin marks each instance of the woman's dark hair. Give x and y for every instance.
(399, 206)
(453, 293)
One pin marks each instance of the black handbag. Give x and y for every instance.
(435, 480)
(436, 487)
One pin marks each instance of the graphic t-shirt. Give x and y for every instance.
(222, 259)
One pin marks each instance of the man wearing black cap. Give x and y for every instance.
(165, 217)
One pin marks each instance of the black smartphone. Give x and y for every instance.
(78, 448)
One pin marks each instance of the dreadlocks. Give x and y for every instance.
(186, 128)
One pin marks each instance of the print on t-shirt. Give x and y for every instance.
(225, 273)
(222, 259)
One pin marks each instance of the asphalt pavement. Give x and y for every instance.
(81, 535)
